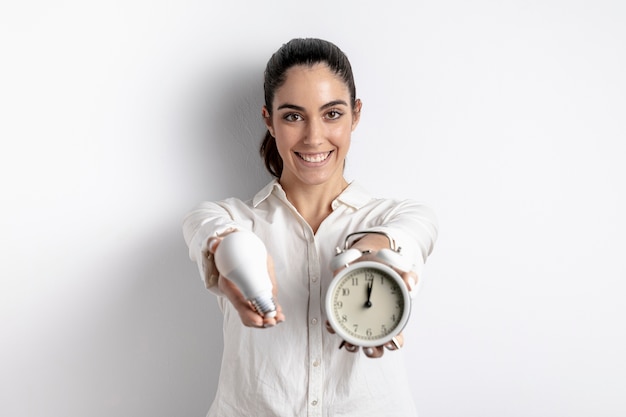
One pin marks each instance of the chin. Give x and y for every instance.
(321, 179)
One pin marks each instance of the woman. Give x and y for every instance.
(290, 364)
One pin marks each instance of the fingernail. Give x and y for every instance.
(368, 351)
(351, 348)
(212, 244)
(268, 325)
(412, 283)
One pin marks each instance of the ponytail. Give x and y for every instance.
(271, 157)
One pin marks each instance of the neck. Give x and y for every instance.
(313, 202)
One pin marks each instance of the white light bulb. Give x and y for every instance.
(242, 258)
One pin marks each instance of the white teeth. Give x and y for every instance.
(317, 157)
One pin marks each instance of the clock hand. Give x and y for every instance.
(368, 303)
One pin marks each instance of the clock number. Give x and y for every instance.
(367, 303)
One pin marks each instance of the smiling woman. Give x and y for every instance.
(311, 122)
(296, 365)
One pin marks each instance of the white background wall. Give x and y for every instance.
(508, 117)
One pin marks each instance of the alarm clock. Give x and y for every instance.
(368, 302)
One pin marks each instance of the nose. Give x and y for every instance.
(314, 133)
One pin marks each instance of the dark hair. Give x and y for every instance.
(298, 51)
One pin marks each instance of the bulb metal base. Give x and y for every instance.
(264, 305)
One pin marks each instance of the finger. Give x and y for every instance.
(374, 352)
(410, 279)
(277, 319)
(212, 243)
(280, 317)
(329, 327)
(396, 343)
(349, 347)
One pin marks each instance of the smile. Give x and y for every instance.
(314, 157)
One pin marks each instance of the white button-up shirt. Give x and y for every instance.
(296, 368)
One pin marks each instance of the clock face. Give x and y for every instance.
(368, 304)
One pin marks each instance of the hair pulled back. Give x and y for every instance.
(299, 51)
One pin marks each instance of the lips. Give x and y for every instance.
(314, 157)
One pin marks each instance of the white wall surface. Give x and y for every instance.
(508, 117)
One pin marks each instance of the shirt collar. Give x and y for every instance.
(267, 191)
(353, 196)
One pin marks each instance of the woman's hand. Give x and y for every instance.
(250, 317)
(370, 244)
(410, 279)
(371, 352)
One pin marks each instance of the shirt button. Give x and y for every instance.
(314, 402)
(313, 321)
(316, 363)
(314, 279)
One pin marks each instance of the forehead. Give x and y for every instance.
(315, 84)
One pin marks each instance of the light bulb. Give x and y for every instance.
(241, 257)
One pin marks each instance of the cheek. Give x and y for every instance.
(284, 141)
(282, 134)
(281, 147)
(341, 134)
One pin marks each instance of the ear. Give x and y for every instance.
(356, 113)
(267, 119)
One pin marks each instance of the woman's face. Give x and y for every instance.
(312, 121)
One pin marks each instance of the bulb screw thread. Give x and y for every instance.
(264, 305)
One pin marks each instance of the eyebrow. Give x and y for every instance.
(300, 108)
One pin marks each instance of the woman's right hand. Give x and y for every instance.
(250, 317)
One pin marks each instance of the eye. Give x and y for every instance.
(333, 114)
(292, 117)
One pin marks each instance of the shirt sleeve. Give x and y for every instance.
(204, 221)
(414, 228)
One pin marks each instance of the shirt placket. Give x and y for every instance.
(316, 373)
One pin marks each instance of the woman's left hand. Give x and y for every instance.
(410, 279)
(371, 352)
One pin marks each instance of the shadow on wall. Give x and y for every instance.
(164, 337)
(223, 161)
(227, 132)
(149, 341)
